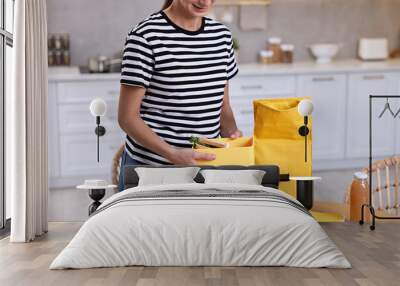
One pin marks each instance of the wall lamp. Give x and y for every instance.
(305, 109)
(98, 108)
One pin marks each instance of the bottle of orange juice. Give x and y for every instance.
(359, 195)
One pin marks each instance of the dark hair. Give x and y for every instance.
(167, 3)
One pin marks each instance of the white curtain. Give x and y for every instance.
(26, 123)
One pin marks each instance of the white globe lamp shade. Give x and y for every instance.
(305, 107)
(98, 107)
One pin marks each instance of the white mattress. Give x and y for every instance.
(200, 231)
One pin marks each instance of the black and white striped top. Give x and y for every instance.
(184, 74)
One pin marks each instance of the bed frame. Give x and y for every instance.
(271, 178)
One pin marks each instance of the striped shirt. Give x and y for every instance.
(184, 74)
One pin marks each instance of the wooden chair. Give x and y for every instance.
(116, 163)
(385, 191)
(396, 163)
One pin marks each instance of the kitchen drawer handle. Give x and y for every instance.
(251, 86)
(246, 112)
(320, 79)
(374, 77)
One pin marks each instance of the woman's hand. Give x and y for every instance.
(236, 134)
(187, 156)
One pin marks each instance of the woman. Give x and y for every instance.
(174, 84)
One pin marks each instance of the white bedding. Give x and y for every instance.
(183, 231)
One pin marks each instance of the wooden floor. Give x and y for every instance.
(375, 257)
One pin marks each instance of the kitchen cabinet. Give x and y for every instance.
(85, 91)
(361, 85)
(339, 91)
(78, 156)
(72, 141)
(262, 85)
(53, 136)
(76, 118)
(328, 93)
(245, 89)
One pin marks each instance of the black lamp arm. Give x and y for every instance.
(304, 131)
(99, 131)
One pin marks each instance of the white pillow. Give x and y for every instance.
(248, 177)
(166, 176)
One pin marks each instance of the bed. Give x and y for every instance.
(197, 224)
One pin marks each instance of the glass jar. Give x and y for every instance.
(57, 42)
(274, 45)
(66, 58)
(287, 53)
(359, 194)
(65, 41)
(50, 42)
(265, 57)
(58, 58)
(51, 58)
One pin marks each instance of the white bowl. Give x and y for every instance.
(324, 53)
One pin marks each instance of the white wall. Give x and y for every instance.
(100, 26)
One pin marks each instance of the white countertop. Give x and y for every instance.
(59, 76)
(350, 65)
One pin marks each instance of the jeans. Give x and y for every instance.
(126, 160)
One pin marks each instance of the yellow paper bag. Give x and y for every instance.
(277, 140)
(239, 152)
